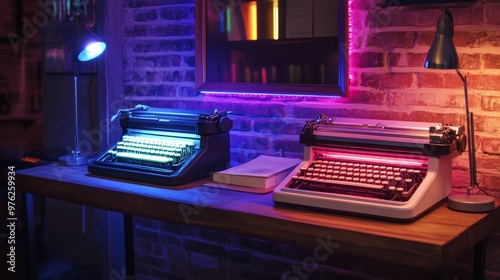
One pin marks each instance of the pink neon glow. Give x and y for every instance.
(373, 159)
(349, 35)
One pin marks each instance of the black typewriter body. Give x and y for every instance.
(167, 147)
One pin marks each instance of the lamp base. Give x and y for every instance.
(72, 160)
(474, 203)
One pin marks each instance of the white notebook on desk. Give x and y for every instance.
(262, 172)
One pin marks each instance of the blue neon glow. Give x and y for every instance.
(92, 51)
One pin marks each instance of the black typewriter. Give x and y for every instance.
(166, 146)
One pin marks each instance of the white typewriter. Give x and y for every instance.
(390, 169)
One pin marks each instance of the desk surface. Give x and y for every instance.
(430, 242)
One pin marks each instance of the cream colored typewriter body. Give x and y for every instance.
(390, 169)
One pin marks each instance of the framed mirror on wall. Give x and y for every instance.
(284, 47)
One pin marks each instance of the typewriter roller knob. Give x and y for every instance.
(461, 142)
(225, 124)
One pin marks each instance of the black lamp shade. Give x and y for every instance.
(442, 54)
(89, 45)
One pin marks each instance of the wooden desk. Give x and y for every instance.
(429, 243)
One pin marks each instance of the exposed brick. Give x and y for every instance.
(434, 79)
(241, 124)
(163, 45)
(491, 12)
(277, 126)
(491, 61)
(203, 260)
(147, 3)
(390, 40)
(175, 13)
(161, 30)
(249, 142)
(487, 163)
(472, 15)
(358, 19)
(259, 109)
(378, 18)
(240, 256)
(157, 61)
(181, 229)
(256, 245)
(387, 81)
(484, 82)
(487, 123)
(437, 100)
(489, 183)
(145, 15)
(398, 17)
(353, 79)
(170, 239)
(179, 270)
(490, 145)
(470, 61)
(155, 76)
(151, 259)
(477, 39)
(435, 116)
(146, 223)
(490, 103)
(189, 60)
(186, 91)
(148, 234)
(289, 146)
(360, 5)
(200, 246)
(367, 59)
(425, 38)
(372, 97)
(177, 254)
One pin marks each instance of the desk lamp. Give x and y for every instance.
(443, 55)
(88, 47)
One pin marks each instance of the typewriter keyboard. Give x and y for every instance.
(384, 181)
(151, 151)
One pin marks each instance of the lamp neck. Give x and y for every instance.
(445, 24)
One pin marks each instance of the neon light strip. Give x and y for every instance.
(228, 20)
(253, 21)
(276, 18)
(350, 35)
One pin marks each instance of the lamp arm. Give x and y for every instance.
(470, 136)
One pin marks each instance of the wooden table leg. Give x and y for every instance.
(478, 271)
(128, 224)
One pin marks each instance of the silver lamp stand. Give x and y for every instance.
(75, 158)
(470, 202)
(443, 55)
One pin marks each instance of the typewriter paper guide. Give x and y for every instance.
(261, 172)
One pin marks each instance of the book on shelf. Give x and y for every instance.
(262, 172)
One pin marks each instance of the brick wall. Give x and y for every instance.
(388, 82)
